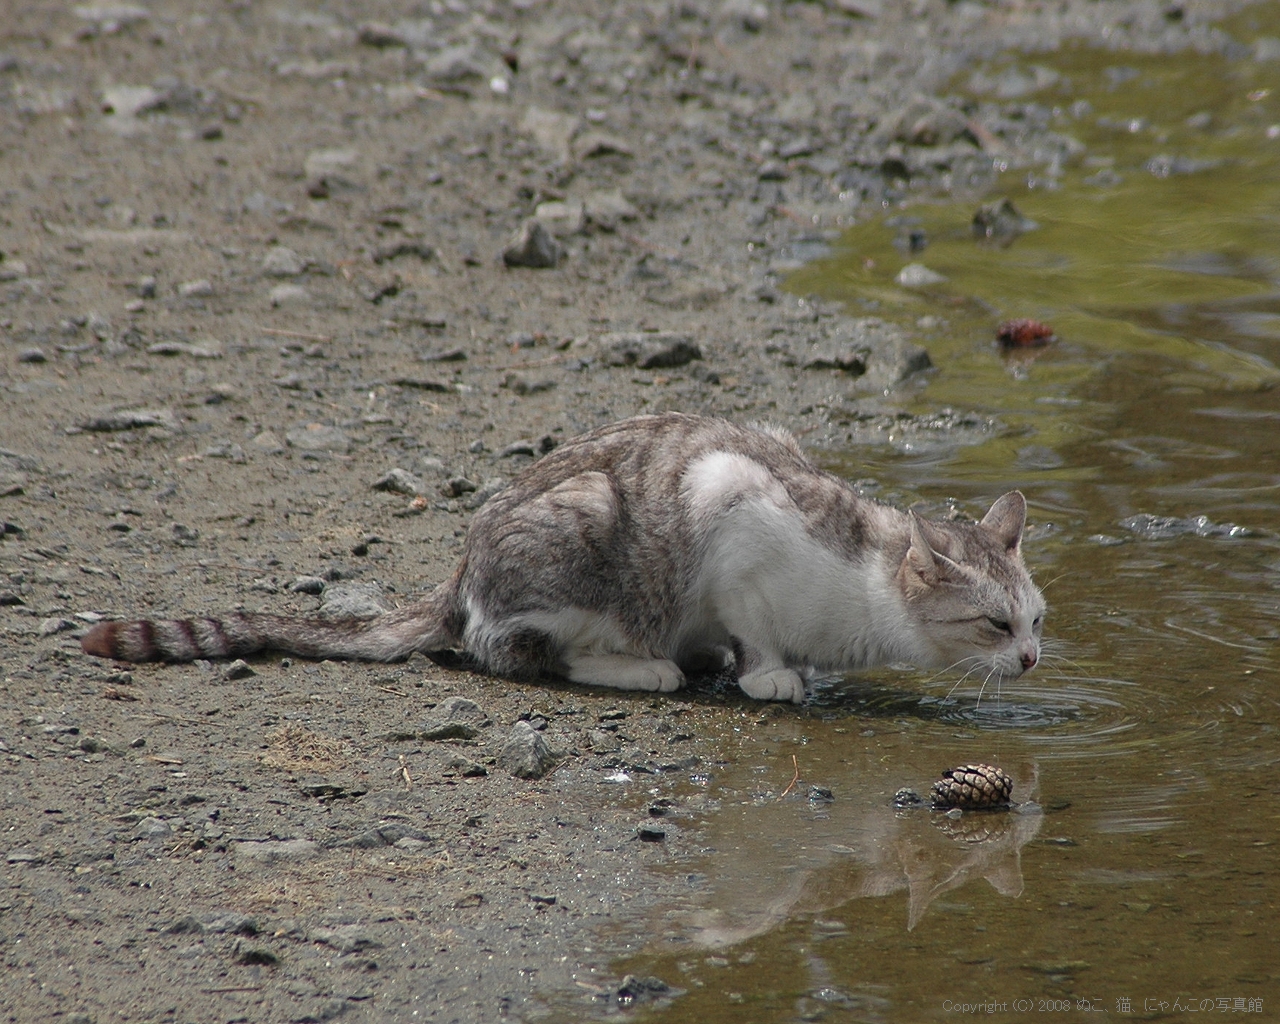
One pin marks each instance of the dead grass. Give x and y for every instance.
(296, 748)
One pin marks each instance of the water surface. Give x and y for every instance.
(1141, 876)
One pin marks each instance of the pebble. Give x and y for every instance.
(597, 144)
(268, 443)
(457, 486)
(219, 922)
(526, 754)
(851, 361)
(346, 938)
(307, 585)
(405, 247)
(288, 295)
(562, 217)
(151, 828)
(532, 246)
(32, 355)
(400, 481)
(607, 208)
(281, 261)
(238, 669)
(917, 275)
(649, 351)
(317, 437)
(52, 626)
(385, 834)
(1000, 222)
(454, 718)
(198, 289)
(353, 601)
(129, 419)
(274, 851)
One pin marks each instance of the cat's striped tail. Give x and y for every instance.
(431, 624)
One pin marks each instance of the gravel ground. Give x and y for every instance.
(258, 257)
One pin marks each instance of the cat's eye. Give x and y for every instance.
(1000, 624)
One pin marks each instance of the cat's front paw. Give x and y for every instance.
(774, 684)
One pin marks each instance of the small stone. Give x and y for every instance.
(562, 217)
(129, 100)
(399, 481)
(425, 384)
(238, 669)
(603, 742)
(147, 287)
(649, 351)
(198, 289)
(254, 955)
(532, 246)
(288, 295)
(454, 718)
(53, 626)
(281, 261)
(130, 419)
(1000, 222)
(32, 355)
(405, 247)
(184, 536)
(346, 938)
(376, 33)
(353, 601)
(651, 834)
(607, 208)
(317, 437)
(307, 585)
(526, 754)
(917, 275)
(10, 598)
(773, 170)
(92, 745)
(852, 361)
(151, 828)
(597, 144)
(274, 851)
(268, 443)
(220, 922)
(457, 487)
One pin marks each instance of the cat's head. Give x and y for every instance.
(969, 594)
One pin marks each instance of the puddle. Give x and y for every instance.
(1140, 868)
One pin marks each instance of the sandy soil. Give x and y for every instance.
(253, 260)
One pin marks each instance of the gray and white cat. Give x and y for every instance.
(668, 544)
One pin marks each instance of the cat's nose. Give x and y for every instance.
(1029, 660)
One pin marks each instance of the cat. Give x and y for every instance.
(675, 543)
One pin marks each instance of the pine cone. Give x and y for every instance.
(972, 787)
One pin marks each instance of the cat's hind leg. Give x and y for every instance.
(625, 672)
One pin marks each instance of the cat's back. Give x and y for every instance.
(650, 458)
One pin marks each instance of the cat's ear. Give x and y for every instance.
(1007, 519)
(924, 565)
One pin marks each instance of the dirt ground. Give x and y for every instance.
(253, 261)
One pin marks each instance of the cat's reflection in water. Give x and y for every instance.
(866, 848)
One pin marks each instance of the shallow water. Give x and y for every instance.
(1140, 876)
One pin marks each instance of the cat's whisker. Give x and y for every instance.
(1061, 575)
